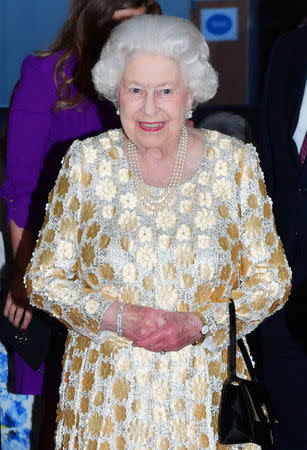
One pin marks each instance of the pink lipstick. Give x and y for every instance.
(151, 126)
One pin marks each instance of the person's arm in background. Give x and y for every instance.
(265, 148)
(28, 129)
(17, 303)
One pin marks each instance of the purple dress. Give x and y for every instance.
(37, 140)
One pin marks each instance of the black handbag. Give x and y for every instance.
(33, 343)
(245, 414)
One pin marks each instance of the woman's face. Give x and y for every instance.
(153, 100)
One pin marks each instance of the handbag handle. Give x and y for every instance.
(232, 346)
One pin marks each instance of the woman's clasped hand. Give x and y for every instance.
(158, 330)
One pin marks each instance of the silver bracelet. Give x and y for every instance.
(119, 320)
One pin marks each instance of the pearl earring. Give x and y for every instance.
(189, 114)
(117, 112)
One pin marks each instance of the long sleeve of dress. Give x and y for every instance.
(28, 129)
(260, 276)
(53, 278)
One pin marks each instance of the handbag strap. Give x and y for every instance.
(232, 339)
(232, 346)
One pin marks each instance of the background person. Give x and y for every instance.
(15, 409)
(54, 103)
(228, 123)
(148, 232)
(282, 340)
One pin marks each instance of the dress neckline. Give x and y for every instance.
(189, 180)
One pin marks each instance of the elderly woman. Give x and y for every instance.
(149, 230)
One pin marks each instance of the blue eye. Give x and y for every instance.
(166, 92)
(135, 90)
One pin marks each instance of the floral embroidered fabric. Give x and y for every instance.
(98, 244)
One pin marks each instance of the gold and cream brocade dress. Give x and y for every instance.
(98, 244)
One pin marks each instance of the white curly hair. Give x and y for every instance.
(173, 37)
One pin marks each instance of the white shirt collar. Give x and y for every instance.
(301, 126)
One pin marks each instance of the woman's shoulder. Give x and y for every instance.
(38, 71)
(44, 65)
(106, 140)
(216, 137)
(36, 88)
(220, 146)
(225, 142)
(108, 145)
(39, 62)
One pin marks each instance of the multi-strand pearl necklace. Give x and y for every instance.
(160, 201)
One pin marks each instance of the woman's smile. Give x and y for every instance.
(151, 126)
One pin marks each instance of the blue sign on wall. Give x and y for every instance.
(219, 24)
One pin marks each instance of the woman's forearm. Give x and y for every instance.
(16, 305)
(22, 245)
